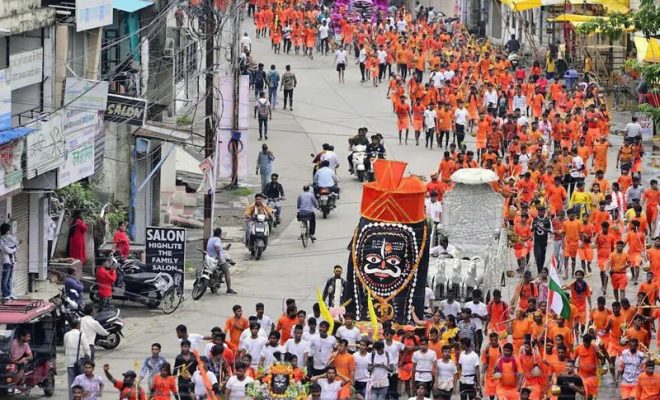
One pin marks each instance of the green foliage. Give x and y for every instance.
(116, 217)
(78, 196)
(645, 20)
(241, 191)
(184, 120)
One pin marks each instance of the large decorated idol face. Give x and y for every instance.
(386, 256)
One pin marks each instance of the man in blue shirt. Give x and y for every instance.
(326, 177)
(214, 249)
(306, 204)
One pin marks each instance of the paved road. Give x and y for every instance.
(324, 112)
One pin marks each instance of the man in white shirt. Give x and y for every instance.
(362, 59)
(235, 387)
(298, 346)
(200, 382)
(444, 248)
(321, 348)
(423, 360)
(246, 43)
(271, 352)
(382, 62)
(433, 207)
(340, 62)
(330, 383)
(75, 347)
(479, 315)
(429, 298)
(330, 156)
(633, 130)
(445, 372)
(449, 306)
(460, 122)
(196, 341)
(520, 102)
(393, 348)
(349, 332)
(324, 30)
(265, 321)
(91, 328)
(437, 77)
(468, 368)
(577, 171)
(490, 98)
(401, 25)
(430, 116)
(253, 344)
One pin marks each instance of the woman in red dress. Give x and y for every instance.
(77, 232)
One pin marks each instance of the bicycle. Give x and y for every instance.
(304, 231)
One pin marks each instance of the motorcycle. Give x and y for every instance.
(274, 204)
(358, 158)
(327, 201)
(153, 289)
(259, 232)
(209, 275)
(373, 156)
(110, 320)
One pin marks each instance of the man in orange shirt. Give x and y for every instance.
(572, 228)
(520, 327)
(637, 332)
(649, 290)
(446, 167)
(648, 383)
(650, 199)
(344, 363)
(581, 295)
(489, 358)
(235, 325)
(614, 329)
(653, 254)
(587, 356)
(556, 195)
(605, 243)
(636, 240)
(618, 264)
(403, 118)
(286, 323)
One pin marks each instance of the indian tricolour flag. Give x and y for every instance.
(557, 298)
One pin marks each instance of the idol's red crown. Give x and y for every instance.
(393, 197)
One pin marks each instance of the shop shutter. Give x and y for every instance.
(20, 205)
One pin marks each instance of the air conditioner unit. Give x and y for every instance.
(168, 51)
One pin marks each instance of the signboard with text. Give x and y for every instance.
(46, 146)
(92, 14)
(646, 122)
(165, 251)
(11, 174)
(26, 68)
(123, 109)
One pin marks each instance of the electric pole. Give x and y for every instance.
(209, 135)
(236, 80)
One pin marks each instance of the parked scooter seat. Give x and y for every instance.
(139, 277)
(103, 316)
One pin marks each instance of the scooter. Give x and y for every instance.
(373, 156)
(274, 204)
(110, 320)
(259, 232)
(327, 201)
(358, 157)
(152, 289)
(210, 275)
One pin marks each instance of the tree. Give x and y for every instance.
(645, 20)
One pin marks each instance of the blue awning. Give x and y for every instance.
(130, 6)
(8, 135)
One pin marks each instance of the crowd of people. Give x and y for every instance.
(544, 138)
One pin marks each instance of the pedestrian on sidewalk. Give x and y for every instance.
(289, 82)
(263, 110)
(265, 165)
(273, 83)
(259, 81)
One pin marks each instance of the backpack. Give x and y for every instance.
(262, 108)
(273, 79)
(259, 79)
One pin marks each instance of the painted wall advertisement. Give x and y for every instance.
(85, 101)
(646, 121)
(46, 146)
(26, 68)
(92, 14)
(165, 251)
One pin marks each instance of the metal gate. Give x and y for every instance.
(20, 205)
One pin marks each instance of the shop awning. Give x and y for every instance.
(647, 50)
(14, 133)
(130, 6)
(577, 20)
(621, 6)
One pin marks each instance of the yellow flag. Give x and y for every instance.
(325, 313)
(372, 316)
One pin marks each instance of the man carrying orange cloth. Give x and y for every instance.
(636, 240)
(489, 359)
(510, 375)
(581, 295)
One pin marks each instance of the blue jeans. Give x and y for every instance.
(272, 95)
(7, 279)
(379, 393)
